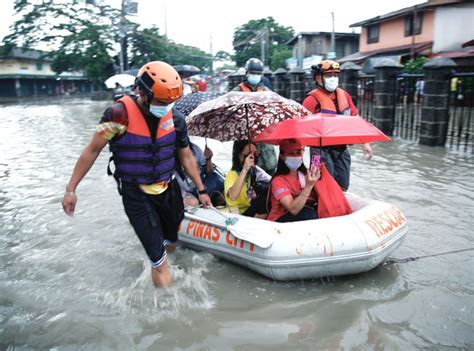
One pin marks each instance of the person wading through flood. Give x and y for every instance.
(331, 100)
(145, 134)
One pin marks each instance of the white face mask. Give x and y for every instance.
(293, 162)
(330, 84)
(160, 111)
(254, 79)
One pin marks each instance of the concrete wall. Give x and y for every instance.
(392, 33)
(453, 26)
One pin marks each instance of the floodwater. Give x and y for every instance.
(83, 283)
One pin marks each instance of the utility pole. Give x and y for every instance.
(413, 31)
(263, 43)
(123, 39)
(333, 37)
(212, 56)
(166, 22)
(128, 7)
(300, 50)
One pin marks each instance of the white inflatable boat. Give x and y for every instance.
(349, 244)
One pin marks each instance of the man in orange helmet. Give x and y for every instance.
(145, 134)
(331, 100)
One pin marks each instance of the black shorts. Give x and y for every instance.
(155, 218)
(337, 160)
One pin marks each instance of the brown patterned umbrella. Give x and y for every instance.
(240, 115)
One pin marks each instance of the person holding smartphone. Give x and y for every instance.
(240, 182)
(293, 195)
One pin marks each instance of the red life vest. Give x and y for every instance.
(245, 88)
(326, 104)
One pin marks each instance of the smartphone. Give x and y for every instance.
(315, 161)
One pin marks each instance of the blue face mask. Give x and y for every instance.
(293, 162)
(160, 111)
(254, 79)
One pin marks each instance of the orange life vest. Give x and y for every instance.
(140, 158)
(327, 106)
(244, 87)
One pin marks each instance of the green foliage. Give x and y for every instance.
(222, 55)
(80, 36)
(85, 37)
(248, 39)
(415, 66)
(178, 54)
(279, 55)
(147, 45)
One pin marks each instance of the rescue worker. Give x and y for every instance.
(253, 77)
(145, 135)
(331, 100)
(267, 159)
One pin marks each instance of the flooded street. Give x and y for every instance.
(84, 282)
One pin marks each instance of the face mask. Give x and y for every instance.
(330, 84)
(293, 162)
(254, 79)
(160, 111)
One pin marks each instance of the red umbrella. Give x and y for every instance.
(316, 130)
(238, 115)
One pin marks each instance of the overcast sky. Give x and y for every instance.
(194, 22)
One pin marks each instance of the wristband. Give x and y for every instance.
(203, 191)
(70, 193)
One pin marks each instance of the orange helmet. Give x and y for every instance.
(159, 80)
(325, 66)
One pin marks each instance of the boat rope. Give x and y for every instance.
(409, 259)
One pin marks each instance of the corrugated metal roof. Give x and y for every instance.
(27, 54)
(359, 56)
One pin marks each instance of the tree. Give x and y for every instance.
(79, 36)
(83, 36)
(147, 45)
(248, 39)
(222, 56)
(415, 66)
(179, 54)
(279, 55)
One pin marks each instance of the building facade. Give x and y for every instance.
(28, 73)
(434, 28)
(310, 47)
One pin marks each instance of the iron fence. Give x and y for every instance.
(461, 104)
(365, 96)
(409, 99)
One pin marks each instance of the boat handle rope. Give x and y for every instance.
(228, 219)
(410, 259)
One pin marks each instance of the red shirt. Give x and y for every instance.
(202, 85)
(314, 107)
(282, 186)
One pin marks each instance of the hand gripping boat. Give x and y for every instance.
(310, 249)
